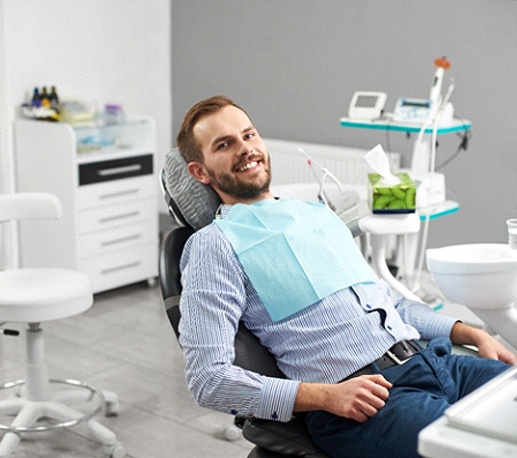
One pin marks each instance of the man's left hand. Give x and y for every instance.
(488, 347)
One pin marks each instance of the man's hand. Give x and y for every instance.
(488, 347)
(358, 398)
(361, 397)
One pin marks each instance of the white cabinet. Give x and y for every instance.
(106, 181)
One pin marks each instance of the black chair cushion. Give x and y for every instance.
(283, 439)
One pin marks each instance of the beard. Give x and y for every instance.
(234, 187)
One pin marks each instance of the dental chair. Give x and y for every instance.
(193, 205)
(33, 296)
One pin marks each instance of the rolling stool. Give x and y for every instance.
(33, 296)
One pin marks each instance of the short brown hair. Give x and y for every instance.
(186, 140)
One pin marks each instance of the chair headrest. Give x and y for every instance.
(190, 202)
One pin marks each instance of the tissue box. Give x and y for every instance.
(399, 198)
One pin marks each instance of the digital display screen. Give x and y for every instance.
(415, 103)
(366, 101)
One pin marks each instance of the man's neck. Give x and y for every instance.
(230, 200)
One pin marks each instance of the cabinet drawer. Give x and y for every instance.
(116, 192)
(116, 239)
(116, 216)
(115, 169)
(122, 267)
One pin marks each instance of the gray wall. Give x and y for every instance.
(294, 65)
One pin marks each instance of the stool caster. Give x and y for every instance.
(231, 433)
(115, 451)
(111, 408)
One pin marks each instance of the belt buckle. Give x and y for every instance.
(395, 358)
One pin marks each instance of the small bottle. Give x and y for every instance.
(45, 100)
(36, 99)
(54, 99)
(113, 114)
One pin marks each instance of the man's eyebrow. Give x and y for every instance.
(223, 138)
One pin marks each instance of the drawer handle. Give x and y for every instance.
(121, 240)
(121, 267)
(118, 194)
(108, 219)
(122, 169)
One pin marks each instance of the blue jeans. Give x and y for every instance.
(422, 389)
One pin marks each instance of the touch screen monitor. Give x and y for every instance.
(366, 105)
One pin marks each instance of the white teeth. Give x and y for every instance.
(248, 166)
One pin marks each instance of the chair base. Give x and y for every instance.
(55, 413)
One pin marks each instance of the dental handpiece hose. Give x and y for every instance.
(438, 106)
(436, 121)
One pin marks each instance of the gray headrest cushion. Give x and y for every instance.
(196, 201)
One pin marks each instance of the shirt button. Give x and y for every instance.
(368, 306)
(389, 328)
(234, 412)
(274, 416)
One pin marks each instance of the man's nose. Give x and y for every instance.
(244, 148)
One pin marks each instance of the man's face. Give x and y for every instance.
(235, 159)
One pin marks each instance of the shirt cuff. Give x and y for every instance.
(438, 326)
(278, 399)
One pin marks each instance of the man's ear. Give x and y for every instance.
(198, 171)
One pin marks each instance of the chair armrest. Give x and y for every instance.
(291, 438)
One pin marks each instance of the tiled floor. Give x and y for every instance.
(125, 344)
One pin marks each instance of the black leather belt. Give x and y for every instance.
(398, 354)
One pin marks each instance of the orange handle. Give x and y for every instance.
(442, 62)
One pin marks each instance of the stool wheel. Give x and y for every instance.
(231, 433)
(115, 451)
(111, 408)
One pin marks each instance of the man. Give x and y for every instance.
(333, 343)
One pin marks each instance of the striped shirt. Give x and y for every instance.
(322, 343)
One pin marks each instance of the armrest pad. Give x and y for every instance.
(291, 438)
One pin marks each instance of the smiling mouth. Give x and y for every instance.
(248, 166)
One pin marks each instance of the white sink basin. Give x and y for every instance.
(482, 275)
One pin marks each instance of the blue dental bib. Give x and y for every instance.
(295, 253)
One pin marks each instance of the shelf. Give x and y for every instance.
(457, 125)
(130, 121)
(436, 211)
(109, 141)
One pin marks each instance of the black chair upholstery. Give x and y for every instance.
(273, 439)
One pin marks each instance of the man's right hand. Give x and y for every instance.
(358, 398)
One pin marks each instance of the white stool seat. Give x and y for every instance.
(36, 295)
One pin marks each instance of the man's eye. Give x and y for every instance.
(249, 135)
(221, 146)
